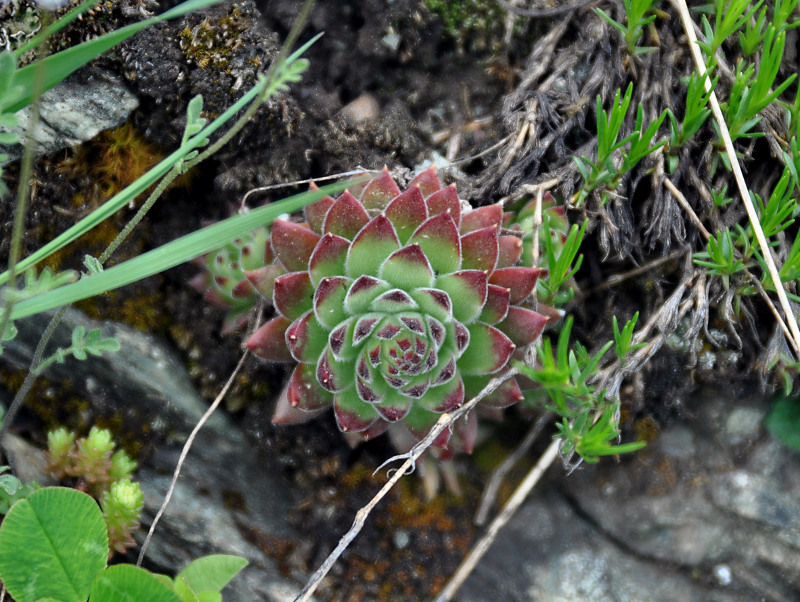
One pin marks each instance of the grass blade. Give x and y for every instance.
(171, 254)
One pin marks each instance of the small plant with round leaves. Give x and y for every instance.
(397, 306)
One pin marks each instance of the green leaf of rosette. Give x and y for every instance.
(52, 544)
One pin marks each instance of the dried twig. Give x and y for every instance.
(185, 452)
(519, 496)
(688, 26)
(687, 207)
(410, 458)
(490, 491)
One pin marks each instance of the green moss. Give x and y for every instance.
(476, 22)
(212, 42)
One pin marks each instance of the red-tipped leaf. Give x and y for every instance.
(522, 325)
(268, 342)
(519, 280)
(346, 217)
(293, 295)
(293, 244)
(480, 249)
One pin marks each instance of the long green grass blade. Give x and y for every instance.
(57, 67)
(171, 254)
(151, 177)
(122, 198)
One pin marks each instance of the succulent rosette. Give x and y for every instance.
(397, 307)
(223, 281)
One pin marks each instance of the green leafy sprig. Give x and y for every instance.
(637, 12)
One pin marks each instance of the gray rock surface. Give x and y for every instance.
(227, 500)
(74, 111)
(710, 511)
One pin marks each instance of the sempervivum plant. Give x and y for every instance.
(397, 307)
(222, 279)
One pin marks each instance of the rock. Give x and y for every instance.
(688, 518)
(74, 111)
(228, 499)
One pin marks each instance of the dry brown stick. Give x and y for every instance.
(641, 355)
(185, 452)
(410, 458)
(688, 26)
(686, 207)
(490, 491)
(519, 496)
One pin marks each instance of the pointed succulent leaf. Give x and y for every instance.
(376, 428)
(329, 300)
(341, 338)
(353, 414)
(407, 268)
(416, 387)
(436, 332)
(465, 432)
(508, 393)
(293, 244)
(394, 406)
(427, 181)
(334, 375)
(496, 307)
(480, 249)
(345, 217)
(445, 370)
(392, 301)
(372, 245)
(438, 237)
(304, 392)
(522, 325)
(263, 279)
(457, 337)
(315, 212)
(364, 326)
(420, 421)
(468, 290)
(489, 350)
(268, 342)
(510, 251)
(306, 339)
(445, 397)
(379, 192)
(294, 294)
(482, 217)
(434, 302)
(445, 201)
(328, 258)
(362, 293)
(406, 212)
(286, 413)
(371, 391)
(520, 281)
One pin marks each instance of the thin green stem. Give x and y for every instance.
(33, 372)
(148, 204)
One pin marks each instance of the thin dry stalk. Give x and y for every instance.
(687, 207)
(185, 452)
(519, 496)
(688, 26)
(490, 491)
(410, 458)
